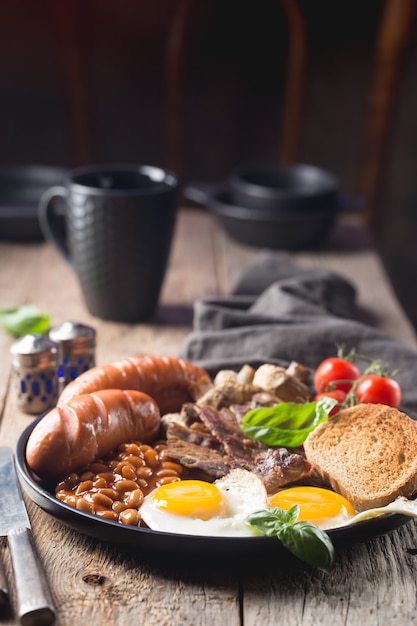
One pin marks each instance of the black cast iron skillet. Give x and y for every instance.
(156, 545)
(278, 228)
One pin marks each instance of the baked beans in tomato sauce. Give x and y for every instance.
(114, 487)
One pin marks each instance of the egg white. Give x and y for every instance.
(334, 522)
(244, 494)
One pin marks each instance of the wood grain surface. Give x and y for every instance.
(94, 583)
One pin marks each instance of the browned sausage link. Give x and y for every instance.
(170, 381)
(89, 426)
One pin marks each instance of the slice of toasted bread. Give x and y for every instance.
(367, 453)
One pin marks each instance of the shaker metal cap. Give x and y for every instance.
(74, 333)
(34, 350)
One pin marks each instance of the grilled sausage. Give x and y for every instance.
(87, 427)
(170, 381)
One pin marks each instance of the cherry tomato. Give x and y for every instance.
(332, 370)
(375, 389)
(336, 394)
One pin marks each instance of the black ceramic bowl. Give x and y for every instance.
(276, 187)
(300, 229)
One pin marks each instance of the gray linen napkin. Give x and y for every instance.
(279, 312)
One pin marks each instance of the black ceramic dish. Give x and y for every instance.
(162, 544)
(276, 187)
(300, 229)
(21, 187)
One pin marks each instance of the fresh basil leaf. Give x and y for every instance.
(270, 521)
(306, 541)
(286, 424)
(309, 543)
(24, 319)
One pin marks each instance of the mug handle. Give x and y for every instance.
(52, 220)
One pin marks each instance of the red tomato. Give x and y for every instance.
(375, 389)
(336, 394)
(332, 373)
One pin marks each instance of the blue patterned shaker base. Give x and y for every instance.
(37, 391)
(71, 368)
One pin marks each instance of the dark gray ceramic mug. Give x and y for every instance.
(114, 224)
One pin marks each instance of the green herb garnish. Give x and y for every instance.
(306, 541)
(286, 424)
(24, 319)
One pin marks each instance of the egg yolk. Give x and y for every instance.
(316, 504)
(191, 498)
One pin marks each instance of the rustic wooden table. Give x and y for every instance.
(95, 583)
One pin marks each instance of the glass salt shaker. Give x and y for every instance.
(76, 350)
(35, 361)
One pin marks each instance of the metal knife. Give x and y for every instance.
(33, 595)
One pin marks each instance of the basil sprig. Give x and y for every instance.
(24, 319)
(306, 541)
(286, 424)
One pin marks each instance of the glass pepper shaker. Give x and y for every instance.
(76, 350)
(34, 361)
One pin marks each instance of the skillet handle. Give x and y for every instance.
(202, 193)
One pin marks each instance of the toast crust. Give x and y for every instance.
(367, 453)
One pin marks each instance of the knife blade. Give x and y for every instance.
(33, 595)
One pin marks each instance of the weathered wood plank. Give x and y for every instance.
(92, 582)
(372, 583)
(106, 584)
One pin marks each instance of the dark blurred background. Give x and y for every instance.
(87, 81)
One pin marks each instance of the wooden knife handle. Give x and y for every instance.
(4, 592)
(33, 596)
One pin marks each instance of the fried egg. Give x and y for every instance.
(196, 507)
(322, 507)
